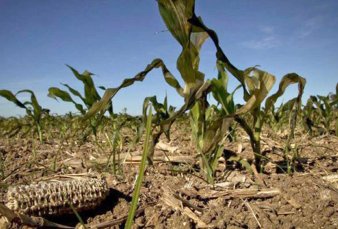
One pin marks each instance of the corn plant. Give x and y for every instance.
(209, 123)
(175, 15)
(163, 112)
(308, 116)
(32, 107)
(90, 96)
(256, 85)
(190, 32)
(278, 117)
(116, 141)
(321, 111)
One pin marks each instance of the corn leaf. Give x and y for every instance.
(287, 80)
(219, 90)
(76, 93)
(258, 86)
(11, 97)
(55, 93)
(175, 15)
(255, 88)
(91, 94)
(110, 105)
(111, 92)
(239, 74)
(160, 108)
(37, 109)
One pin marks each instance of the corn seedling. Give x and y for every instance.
(163, 112)
(88, 99)
(115, 142)
(32, 107)
(321, 111)
(278, 117)
(256, 85)
(175, 15)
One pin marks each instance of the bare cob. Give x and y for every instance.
(56, 198)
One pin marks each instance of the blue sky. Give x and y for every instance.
(118, 38)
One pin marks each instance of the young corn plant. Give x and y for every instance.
(278, 117)
(116, 141)
(256, 85)
(175, 15)
(32, 108)
(211, 124)
(190, 32)
(163, 112)
(88, 99)
(321, 112)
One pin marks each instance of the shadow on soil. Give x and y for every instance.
(107, 205)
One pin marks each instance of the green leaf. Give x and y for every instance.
(142, 168)
(91, 94)
(175, 15)
(37, 109)
(220, 93)
(75, 92)
(11, 97)
(55, 93)
(111, 92)
(161, 110)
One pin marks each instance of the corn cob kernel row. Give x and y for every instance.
(56, 198)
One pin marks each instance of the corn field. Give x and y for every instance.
(210, 163)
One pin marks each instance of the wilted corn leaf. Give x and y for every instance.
(110, 105)
(175, 15)
(111, 92)
(162, 110)
(158, 119)
(239, 74)
(282, 110)
(287, 80)
(255, 87)
(258, 86)
(209, 130)
(325, 108)
(220, 92)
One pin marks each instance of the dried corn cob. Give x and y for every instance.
(56, 198)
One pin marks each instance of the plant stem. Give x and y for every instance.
(39, 132)
(141, 173)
